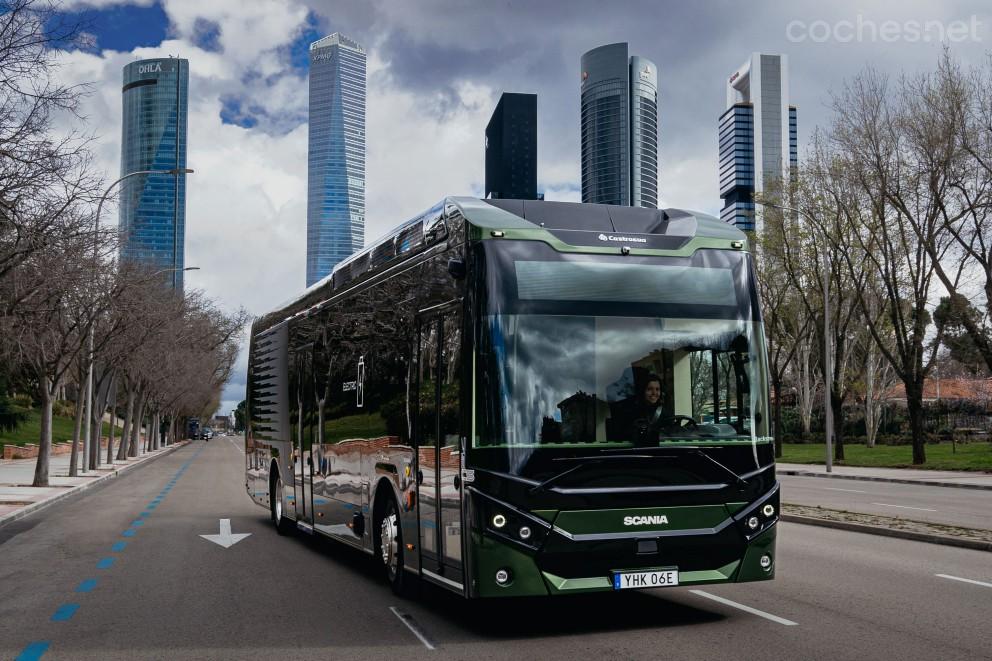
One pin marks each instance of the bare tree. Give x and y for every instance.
(893, 172)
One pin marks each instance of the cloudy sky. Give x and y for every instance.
(435, 71)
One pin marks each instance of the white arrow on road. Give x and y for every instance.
(226, 538)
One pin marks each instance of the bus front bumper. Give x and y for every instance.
(532, 575)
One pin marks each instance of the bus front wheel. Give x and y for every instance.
(391, 548)
(283, 525)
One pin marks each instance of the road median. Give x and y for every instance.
(873, 524)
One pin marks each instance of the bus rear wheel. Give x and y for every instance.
(282, 524)
(391, 548)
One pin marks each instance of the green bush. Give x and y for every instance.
(64, 408)
(23, 401)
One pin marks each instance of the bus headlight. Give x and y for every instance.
(504, 521)
(503, 576)
(768, 510)
(766, 562)
(753, 523)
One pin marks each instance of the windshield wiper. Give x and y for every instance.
(586, 461)
(741, 482)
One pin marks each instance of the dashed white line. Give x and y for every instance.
(848, 490)
(236, 446)
(965, 580)
(906, 507)
(412, 625)
(746, 609)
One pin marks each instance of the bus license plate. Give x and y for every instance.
(646, 579)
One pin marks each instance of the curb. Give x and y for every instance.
(896, 480)
(40, 505)
(973, 544)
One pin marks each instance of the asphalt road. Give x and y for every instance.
(68, 590)
(969, 508)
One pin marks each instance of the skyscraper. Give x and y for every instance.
(153, 207)
(758, 136)
(336, 154)
(619, 128)
(511, 148)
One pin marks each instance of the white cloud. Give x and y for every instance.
(246, 207)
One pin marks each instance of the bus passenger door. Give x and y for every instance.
(439, 445)
(302, 426)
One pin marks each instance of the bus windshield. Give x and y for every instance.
(593, 352)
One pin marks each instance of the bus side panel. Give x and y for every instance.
(267, 416)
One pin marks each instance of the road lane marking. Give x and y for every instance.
(412, 625)
(848, 490)
(65, 612)
(36, 649)
(236, 446)
(746, 609)
(226, 538)
(87, 585)
(965, 580)
(906, 507)
(33, 651)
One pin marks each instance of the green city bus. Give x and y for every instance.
(513, 398)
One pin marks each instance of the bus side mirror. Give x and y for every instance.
(456, 268)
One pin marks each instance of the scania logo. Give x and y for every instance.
(621, 239)
(652, 520)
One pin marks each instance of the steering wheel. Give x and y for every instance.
(676, 421)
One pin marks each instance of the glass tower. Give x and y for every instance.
(336, 154)
(511, 148)
(153, 206)
(619, 128)
(757, 136)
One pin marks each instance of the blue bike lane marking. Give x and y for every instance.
(36, 649)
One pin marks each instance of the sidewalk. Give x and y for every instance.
(18, 498)
(960, 479)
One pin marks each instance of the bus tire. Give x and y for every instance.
(389, 547)
(283, 525)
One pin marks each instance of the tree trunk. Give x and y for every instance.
(122, 452)
(113, 423)
(77, 429)
(871, 420)
(837, 404)
(914, 402)
(136, 427)
(45, 439)
(156, 430)
(777, 415)
(806, 389)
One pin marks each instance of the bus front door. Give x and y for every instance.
(439, 446)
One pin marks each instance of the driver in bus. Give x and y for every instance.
(647, 413)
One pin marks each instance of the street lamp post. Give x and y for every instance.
(828, 409)
(89, 352)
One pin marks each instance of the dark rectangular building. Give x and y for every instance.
(511, 148)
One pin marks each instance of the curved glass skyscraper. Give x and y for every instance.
(619, 128)
(336, 154)
(153, 207)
